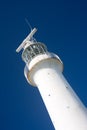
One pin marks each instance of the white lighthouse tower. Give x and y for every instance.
(44, 70)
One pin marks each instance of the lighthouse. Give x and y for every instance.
(44, 70)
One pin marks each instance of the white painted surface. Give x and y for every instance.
(64, 107)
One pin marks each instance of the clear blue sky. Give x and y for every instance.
(62, 26)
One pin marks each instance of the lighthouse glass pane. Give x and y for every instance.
(33, 50)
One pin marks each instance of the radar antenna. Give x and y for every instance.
(26, 40)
